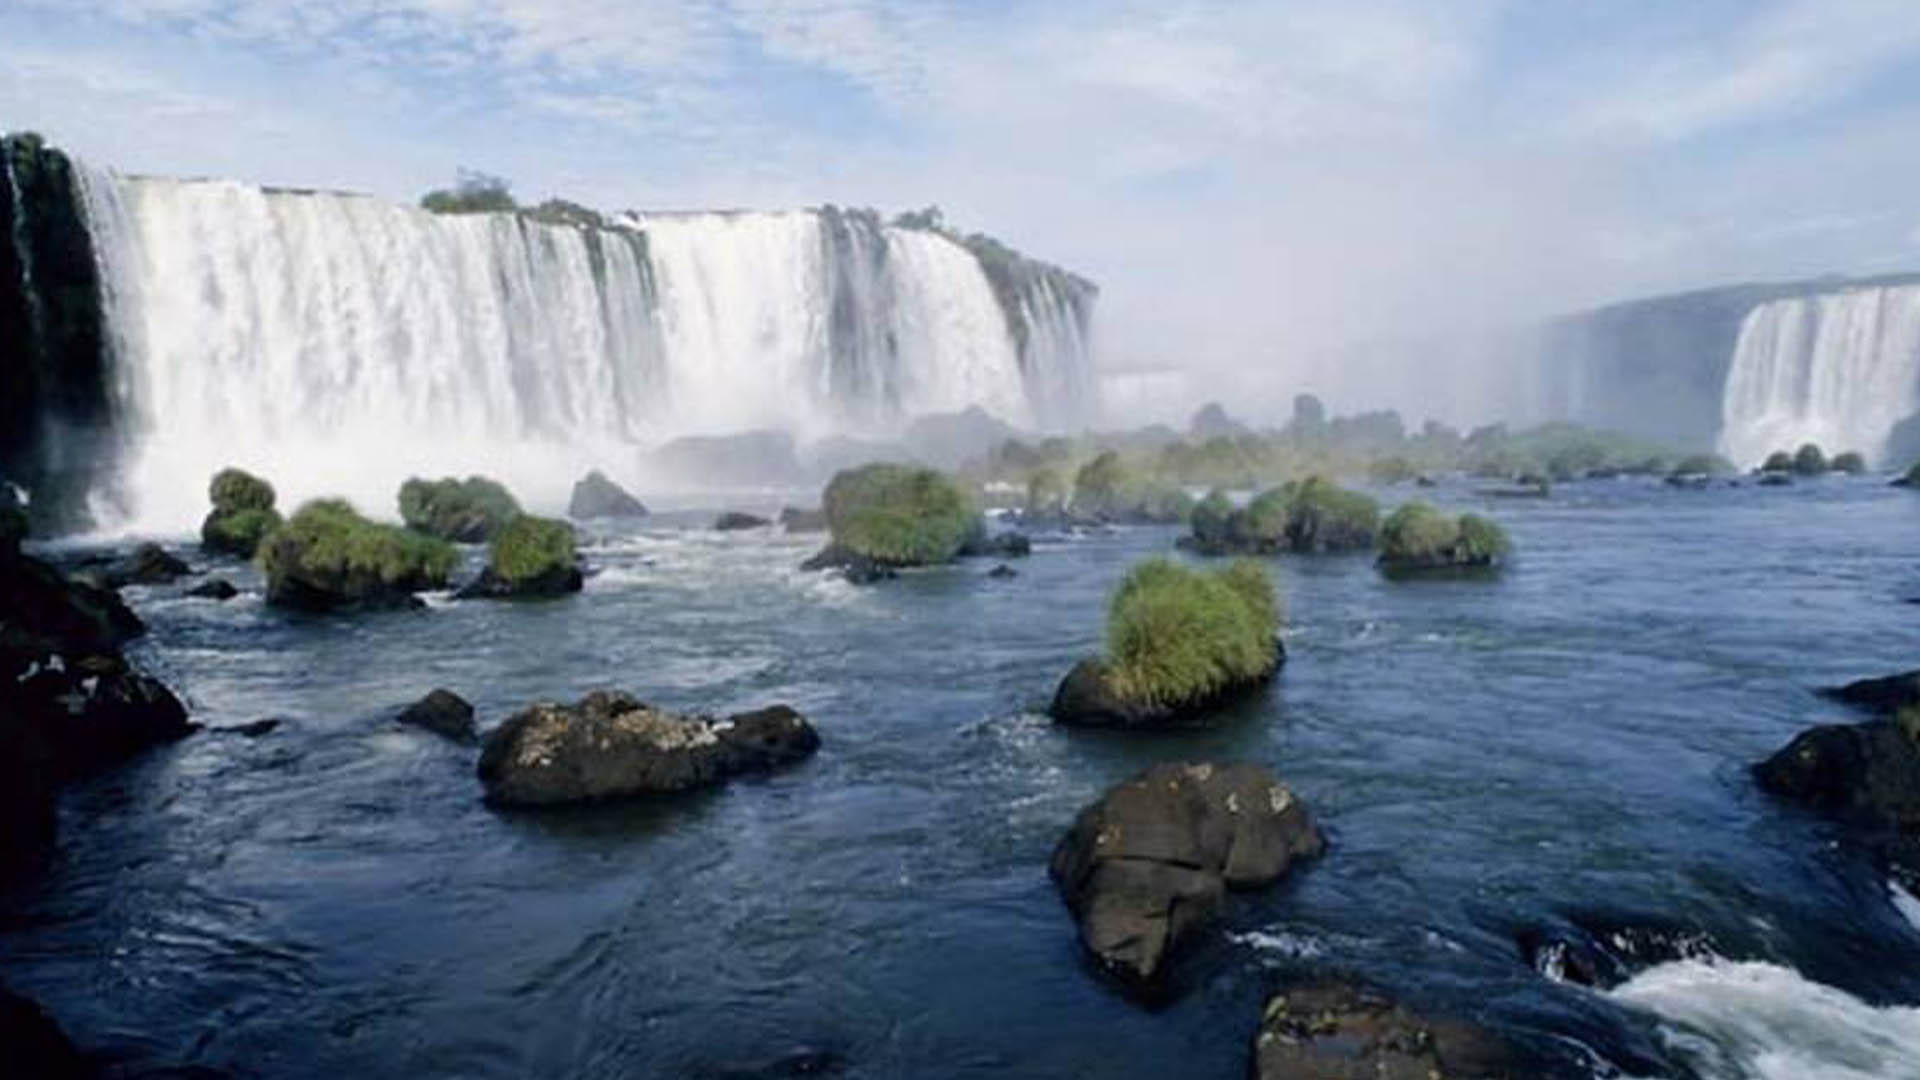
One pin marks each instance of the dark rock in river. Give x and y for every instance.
(734, 520)
(611, 746)
(149, 564)
(1086, 698)
(214, 589)
(595, 496)
(796, 520)
(1003, 571)
(442, 712)
(254, 729)
(1869, 770)
(34, 1046)
(1149, 864)
(853, 566)
(1339, 1031)
(1006, 545)
(1888, 694)
(97, 712)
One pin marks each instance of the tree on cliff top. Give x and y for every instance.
(473, 192)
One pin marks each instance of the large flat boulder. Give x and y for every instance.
(1149, 864)
(609, 746)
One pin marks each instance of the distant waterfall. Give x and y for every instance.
(335, 342)
(1838, 369)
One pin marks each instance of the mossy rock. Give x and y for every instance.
(529, 557)
(242, 514)
(1851, 462)
(329, 558)
(1809, 460)
(1309, 517)
(466, 511)
(238, 533)
(1701, 465)
(899, 515)
(1178, 642)
(1419, 539)
(1111, 489)
(1210, 517)
(233, 490)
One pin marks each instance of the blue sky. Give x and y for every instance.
(1244, 179)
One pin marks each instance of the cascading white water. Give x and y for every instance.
(1756, 1021)
(337, 343)
(1839, 370)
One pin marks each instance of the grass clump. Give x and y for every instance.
(899, 515)
(327, 555)
(242, 514)
(1849, 462)
(1809, 460)
(1046, 492)
(530, 547)
(1107, 487)
(1176, 635)
(1419, 537)
(1324, 517)
(1210, 518)
(467, 511)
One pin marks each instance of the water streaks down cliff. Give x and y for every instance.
(289, 330)
(1840, 369)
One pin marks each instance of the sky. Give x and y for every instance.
(1247, 182)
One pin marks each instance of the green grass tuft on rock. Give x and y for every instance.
(1809, 460)
(233, 490)
(1211, 517)
(1850, 462)
(899, 515)
(529, 547)
(468, 511)
(239, 532)
(1416, 536)
(327, 542)
(1176, 635)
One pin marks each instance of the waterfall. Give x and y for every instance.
(1839, 369)
(288, 332)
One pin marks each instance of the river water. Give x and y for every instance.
(1564, 747)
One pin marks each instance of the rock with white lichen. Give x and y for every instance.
(1149, 864)
(610, 746)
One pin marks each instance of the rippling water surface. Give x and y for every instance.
(1566, 746)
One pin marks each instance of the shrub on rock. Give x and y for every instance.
(1778, 461)
(610, 746)
(1178, 642)
(1311, 516)
(242, 513)
(899, 515)
(1210, 519)
(1809, 460)
(528, 557)
(1109, 489)
(329, 558)
(595, 496)
(1148, 865)
(1849, 462)
(466, 511)
(1417, 537)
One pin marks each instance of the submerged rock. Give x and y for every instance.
(735, 520)
(1340, 1031)
(214, 589)
(610, 746)
(1148, 865)
(442, 712)
(595, 496)
(148, 564)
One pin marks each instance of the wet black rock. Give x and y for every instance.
(1870, 771)
(33, 1046)
(148, 564)
(1003, 571)
(595, 496)
(1148, 865)
(1006, 545)
(854, 567)
(554, 581)
(1332, 1030)
(254, 729)
(442, 712)
(1888, 694)
(214, 589)
(734, 520)
(610, 746)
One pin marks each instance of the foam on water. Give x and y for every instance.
(1757, 1021)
